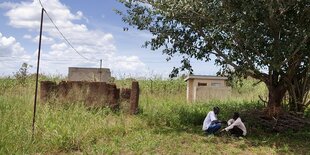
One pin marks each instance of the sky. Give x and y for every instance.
(94, 31)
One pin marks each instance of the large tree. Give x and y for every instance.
(265, 39)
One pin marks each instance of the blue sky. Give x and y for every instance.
(92, 27)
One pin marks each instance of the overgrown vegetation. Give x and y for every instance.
(266, 40)
(166, 124)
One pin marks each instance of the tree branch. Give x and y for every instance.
(296, 50)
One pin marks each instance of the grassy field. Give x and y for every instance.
(166, 124)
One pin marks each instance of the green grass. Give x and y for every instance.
(166, 124)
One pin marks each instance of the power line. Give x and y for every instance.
(63, 36)
(41, 4)
(17, 59)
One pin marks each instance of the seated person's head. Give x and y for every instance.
(236, 115)
(216, 110)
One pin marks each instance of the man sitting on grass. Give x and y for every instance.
(211, 124)
(236, 126)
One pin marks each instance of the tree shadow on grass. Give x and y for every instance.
(281, 143)
(190, 121)
(286, 142)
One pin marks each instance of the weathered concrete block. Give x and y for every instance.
(46, 90)
(89, 74)
(92, 94)
(134, 97)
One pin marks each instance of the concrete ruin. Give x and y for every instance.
(89, 74)
(91, 94)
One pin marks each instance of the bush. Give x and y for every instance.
(22, 74)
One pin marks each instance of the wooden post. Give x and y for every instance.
(134, 98)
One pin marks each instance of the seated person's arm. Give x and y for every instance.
(231, 125)
(231, 121)
(215, 122)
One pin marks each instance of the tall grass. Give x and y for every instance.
(166, 124)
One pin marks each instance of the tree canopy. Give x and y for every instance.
(265, 39)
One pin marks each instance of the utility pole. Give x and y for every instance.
(37, 77)
(100, 71)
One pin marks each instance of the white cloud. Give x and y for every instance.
(129, 63)
(44, 39)
(9, 46)
(59, 47)
(12, 54)
(7, 5)
(93, 44)
(55, 9)
(79, 15)
(27, 36)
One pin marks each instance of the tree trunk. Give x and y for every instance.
(298, 92)
(296, 104)
(274, 105)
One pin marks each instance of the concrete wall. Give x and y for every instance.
(89, 74)
(205, 89)
(189, 90)
(91, 94)
(208, 93)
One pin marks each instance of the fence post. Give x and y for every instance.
(134, 97)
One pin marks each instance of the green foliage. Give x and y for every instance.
(247, 35)
(166, 122)
(267, 40)
(156, 85)
(22, 74)
(247, 85)
(307, 112)
(6, 83)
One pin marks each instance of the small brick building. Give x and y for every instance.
(202, 88)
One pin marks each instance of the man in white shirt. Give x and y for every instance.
(236, 126)
(211, 124)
